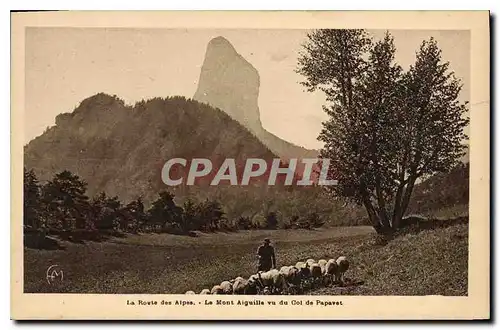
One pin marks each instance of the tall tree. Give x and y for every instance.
(374, 137)
(107, 212)
(31, 196)
(65, 201)
(434, 119)
(164, 211)
(212, 215)
(190, 216)
(387, 128)
(135, 214)
(332, 61)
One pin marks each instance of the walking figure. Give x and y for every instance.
(267, 258)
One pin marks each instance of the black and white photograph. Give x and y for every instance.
(235, 166)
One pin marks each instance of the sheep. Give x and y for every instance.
(322, 264)
(240, 285)
(252, 285)
(235, 279)
(239, 278)
(216, 290)
(255, 279)
(292, 276)
(331, 270)
(227, 287)
(272, 279)
(300, 265)
(304, 273)
(205, 291)
(284, 269)
(310, 261)
(266, 278)
(247, 287)
(315, 269)
(316, 272)
(342, 267)
(190, 292)
(266, 291)
(303, 268)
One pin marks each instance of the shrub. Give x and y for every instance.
(244, 223)
(271, 220)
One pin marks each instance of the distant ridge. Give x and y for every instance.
(121, 149)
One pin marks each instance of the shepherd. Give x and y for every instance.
(267, 258)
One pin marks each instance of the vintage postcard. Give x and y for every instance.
(250, 165)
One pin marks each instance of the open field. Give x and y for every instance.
(429, 262)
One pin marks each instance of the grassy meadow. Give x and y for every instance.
(421, 263)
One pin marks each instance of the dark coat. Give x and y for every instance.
(267, 258)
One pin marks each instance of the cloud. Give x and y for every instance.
(277, 57)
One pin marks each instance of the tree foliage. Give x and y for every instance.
(164, 211)
(135, 215)
(62, 204)
(107, 212)
(272, 220)
(65, 204)
(442, 190)
(212, 213)
(61, 207)
(386, 128)
(31, 194)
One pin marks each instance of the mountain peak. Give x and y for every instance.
(220, 41)
(220, 47)
(229, 82)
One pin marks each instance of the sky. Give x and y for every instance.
(66, 65)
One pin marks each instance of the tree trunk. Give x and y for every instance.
(371, 213)
(400, 208)
(396, 219)
(381, 227)
(382, 211)
(378, 216)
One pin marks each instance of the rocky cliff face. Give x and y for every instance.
(230, 83)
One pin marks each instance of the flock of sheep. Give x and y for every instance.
(287, 280)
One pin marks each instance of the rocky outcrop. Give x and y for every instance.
(229, 82)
